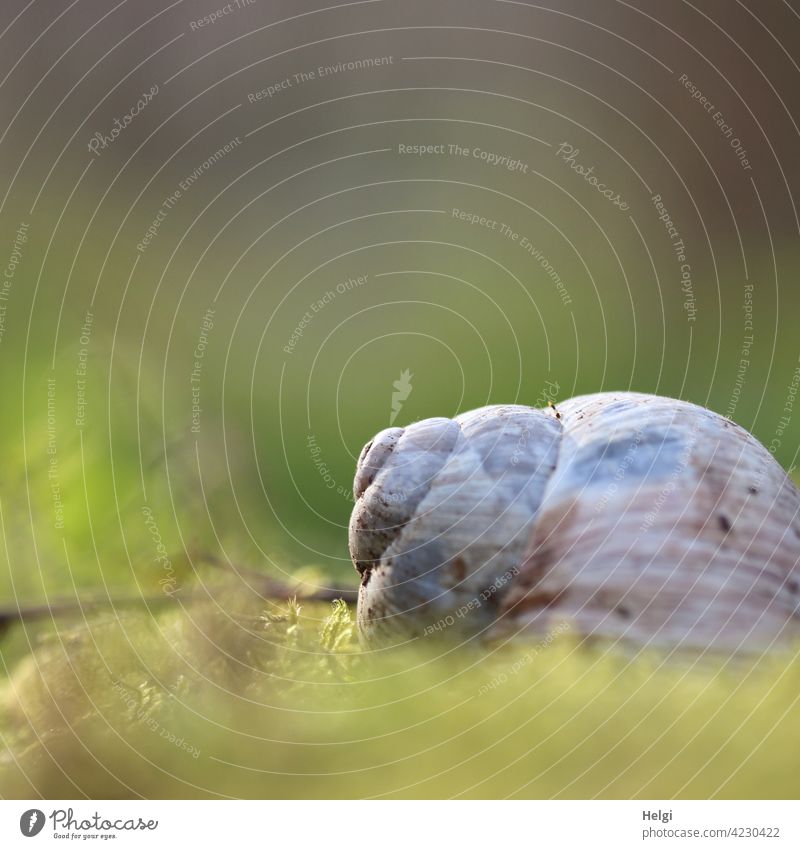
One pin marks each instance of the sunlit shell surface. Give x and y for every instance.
(619, 515)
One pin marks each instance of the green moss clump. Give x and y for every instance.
(224, 698)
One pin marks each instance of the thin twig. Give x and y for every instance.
(275, 588)
(267, 588)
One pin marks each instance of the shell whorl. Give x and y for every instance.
(629, 516)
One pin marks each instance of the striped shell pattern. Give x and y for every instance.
(631, 517)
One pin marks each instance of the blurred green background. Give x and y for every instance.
(224, 374)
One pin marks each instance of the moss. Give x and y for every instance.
(225, 698)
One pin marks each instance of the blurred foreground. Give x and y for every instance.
(283, 704)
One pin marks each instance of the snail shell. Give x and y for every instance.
(629, 516)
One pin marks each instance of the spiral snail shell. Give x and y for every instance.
(632, 517)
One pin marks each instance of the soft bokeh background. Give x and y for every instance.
(296, 374)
